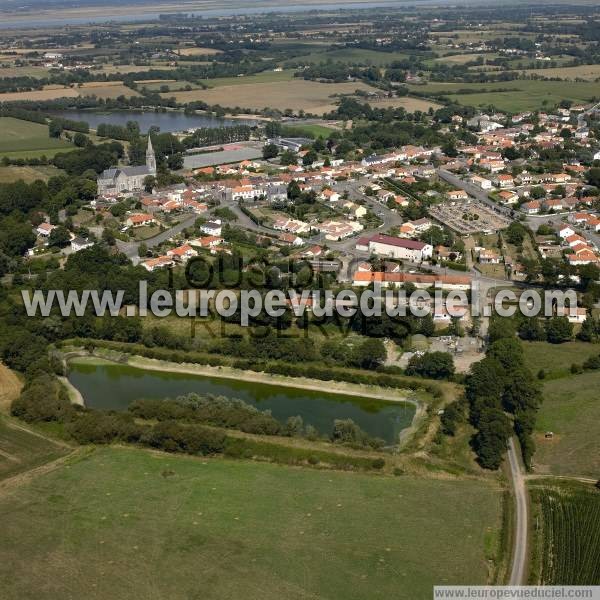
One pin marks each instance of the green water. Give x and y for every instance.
(114, 387)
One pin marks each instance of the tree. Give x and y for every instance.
(593, 176)
(149, 183)
(434, 365)
(588, 331)
(142, 250)
(491, 440)
(515, 233)
(559, 330)
(288, 158)
(55, 129)
(59, 237)
(309, 158)
(270, 151)
(369, 354)
(80, 140)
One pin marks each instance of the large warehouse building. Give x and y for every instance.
(394, 247)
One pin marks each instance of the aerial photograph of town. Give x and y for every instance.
(299, 301)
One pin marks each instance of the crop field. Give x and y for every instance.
(264, 77)
(21, 450)
(24, 138)
(567, 534)
(311, 96)
(102, 89)
(408, 103)
(198, 51)
(353, 56)
(571, 410)
(10, 387)
(518, 95)
(127, 523)
(587, 72)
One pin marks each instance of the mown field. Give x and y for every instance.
(297, 94)
(571, 410)
(353, 56)
(408, 103)
(264, 77)
(24, 138)
(566, 533)
(27, 173)
(556, 359)
(101, 89)
(588, 72)
(519, 95)
(125, 523)
(21, 450)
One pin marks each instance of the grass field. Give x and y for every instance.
(110, 89)
(24, 138)
(264, 77)
(587, 72)
(10, 387)
(571, 410)
(198, 51)
(27, 174)
(297, 94)
(556, 359)
(408, 103)
(521, 94)
(21, 450)
(567, 534)
(125, 523)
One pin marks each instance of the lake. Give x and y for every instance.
(167, 121)
(109, 386)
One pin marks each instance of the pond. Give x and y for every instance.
(168, 122)
(111, 386)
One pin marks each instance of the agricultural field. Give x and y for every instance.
(10, 388)
(352, 56)
(198, 51)
(407, 103)
(566, 533)
(556, 359)
(228, 529)
(101, 89)
(571, 410)
(24, 138)
(298, 94)
(264, 77)
(27, 173)
(587, 72)
(21, 450)
(172, 84)
(520, 95)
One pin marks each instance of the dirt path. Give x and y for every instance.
(74, 394)
(519, 558)
(10, 388)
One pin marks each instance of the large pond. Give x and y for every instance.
(169, 121)
(115, 386)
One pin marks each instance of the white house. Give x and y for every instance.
(211, 227)
(400, 248)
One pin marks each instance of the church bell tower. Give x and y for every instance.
(150, 158)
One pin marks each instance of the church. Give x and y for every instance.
(127, 179)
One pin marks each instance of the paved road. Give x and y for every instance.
(519, 557)
(130, 249)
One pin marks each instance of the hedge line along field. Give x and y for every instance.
(122, 523)
(567, 533)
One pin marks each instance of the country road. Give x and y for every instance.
(519, 556)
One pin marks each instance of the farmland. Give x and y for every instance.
(101, 89)
(21, 450)
(556, 359)
(24, 138)
(407, 103)
(311, 96)
(571, 410)
(27, 173)
(587, 72)
(514, 96)
(228, 529)
(567, 534)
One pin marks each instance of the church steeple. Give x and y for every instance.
(150, 157)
